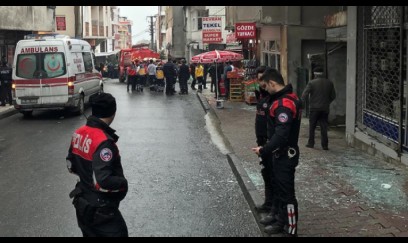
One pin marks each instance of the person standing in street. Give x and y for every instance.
(169, 73)
(261, 132)
(322, 94)
(132, 76)
(192, 72)
(151, 70)
(5, 82)
(283, 150)
(184, 75)
(159, 87)
(199, 74)
(94, 156)
(227, 68)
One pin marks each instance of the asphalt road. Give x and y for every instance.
(180, 184)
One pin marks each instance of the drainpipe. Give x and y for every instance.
(401, 83)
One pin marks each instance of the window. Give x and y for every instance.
(41, 65)
(87, 61)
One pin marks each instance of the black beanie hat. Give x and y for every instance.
(103, 105)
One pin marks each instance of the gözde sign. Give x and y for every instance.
(212, 29)
(245, 30)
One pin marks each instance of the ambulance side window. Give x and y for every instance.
(87, 61)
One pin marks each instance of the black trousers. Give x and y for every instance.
(200, 81)
(131, 80)
(284, 176)
(169, 86)
(183, 85)
(321, 117)
(193, 83)
(227, 88)
(5, 94)
(269, 184)
(99, 221)
(152, 79)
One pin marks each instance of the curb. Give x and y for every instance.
(8, 113)
(249, 190)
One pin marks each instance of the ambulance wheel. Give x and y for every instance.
(27, 114)
(80, 109)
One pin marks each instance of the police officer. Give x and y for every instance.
(5, 81)
(261, 132)
(282, 148)
(94, 157)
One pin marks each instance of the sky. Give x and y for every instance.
(138, 14)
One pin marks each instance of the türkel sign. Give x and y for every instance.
(245, 30)
(212, 29)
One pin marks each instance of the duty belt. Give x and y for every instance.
(291, 152)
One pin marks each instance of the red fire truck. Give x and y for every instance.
(135, 53)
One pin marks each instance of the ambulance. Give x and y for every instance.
(53, 72)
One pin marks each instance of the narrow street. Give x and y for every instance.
(180, 184)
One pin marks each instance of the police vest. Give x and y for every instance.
(5, 74)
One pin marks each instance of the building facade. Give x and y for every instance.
(175, 34)
(124, 33)
(97, 26)
(286, 36)
(377, 81)
(17, 21)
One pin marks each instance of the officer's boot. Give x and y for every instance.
(286, 222)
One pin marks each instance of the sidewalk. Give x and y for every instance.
(341, 192)
(6, 111)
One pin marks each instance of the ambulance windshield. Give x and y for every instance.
(40, 65)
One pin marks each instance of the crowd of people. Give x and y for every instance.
(161, 77)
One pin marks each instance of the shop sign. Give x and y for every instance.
(61, 25)
(212, 29)
(245, 30)
(231, 38)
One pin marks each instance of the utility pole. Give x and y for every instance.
(152, 46)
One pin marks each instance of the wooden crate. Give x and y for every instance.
(236, 92)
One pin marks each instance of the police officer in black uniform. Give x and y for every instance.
(5, 81)
(261, 132)
(285, 116)
(94, 157)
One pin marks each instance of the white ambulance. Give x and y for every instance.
(52, 73)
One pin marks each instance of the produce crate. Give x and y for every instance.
(235, 92)
(249, 94)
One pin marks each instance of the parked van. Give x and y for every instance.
(53, 73)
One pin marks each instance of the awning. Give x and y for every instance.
(100, 54)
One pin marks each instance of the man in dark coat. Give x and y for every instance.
(322, 94)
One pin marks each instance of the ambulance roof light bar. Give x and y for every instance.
(45, 36)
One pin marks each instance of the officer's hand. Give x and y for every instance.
(256, 150)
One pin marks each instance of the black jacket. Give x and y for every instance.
(184, 72)
(322, 93)
(169, 71)
(284, 117)
(261, 120)
(95, 158)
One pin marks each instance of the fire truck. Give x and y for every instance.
(140, 53)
